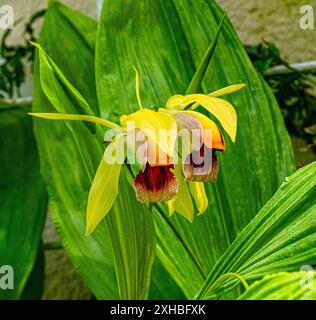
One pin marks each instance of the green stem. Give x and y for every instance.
(184, 244)
(182, 241)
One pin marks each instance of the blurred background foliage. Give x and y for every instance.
(16, 58)
(295, 91)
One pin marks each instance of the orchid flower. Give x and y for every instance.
(160, 178)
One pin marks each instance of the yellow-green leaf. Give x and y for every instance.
(283, 286)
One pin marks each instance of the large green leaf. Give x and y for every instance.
(133, 240)
(70, 154)
(166, 40)
(283, 286)
(22, 196)
(282, 237)
(62, 165)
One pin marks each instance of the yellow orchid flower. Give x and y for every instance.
(159, 178)
(221, 109)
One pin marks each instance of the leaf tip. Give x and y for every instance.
(34, 44)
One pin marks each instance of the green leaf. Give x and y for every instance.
(22, 196)
(70, 155)
(133, 239)
(283, 286)
(72, 24)
(282, 237)
(59, 90)
(195, 83)
(62, 164)
(167, 45)
(162, 286)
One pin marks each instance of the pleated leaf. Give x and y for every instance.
(282, 237)
(166, 41)
(283, 286)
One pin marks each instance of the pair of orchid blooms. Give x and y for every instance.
(159, 177)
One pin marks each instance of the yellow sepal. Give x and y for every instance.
(198, 193)
(170, 207)
(104, 189)
(220, 108)
(182, 203)
(227, 90)
(65, 116)
(160, 128)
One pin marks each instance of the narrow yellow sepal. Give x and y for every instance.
(227, 90)
(93, 119)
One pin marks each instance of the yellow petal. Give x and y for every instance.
(198, 193)
(223, 111)
(160, 128)
(178, 102)
(103, 192)
(227, 90)
(62, 116)
(170, 207)
(182, 203)
(220, 108)
(216, 138)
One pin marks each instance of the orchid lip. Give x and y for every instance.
(155, 184)
(201, 165)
